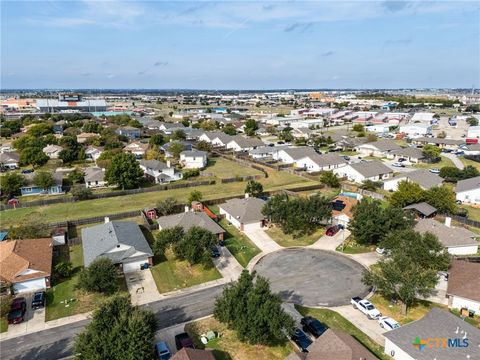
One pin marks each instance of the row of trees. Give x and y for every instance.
(298, 216)
(443, 198)
(12, 182)
(454, 174)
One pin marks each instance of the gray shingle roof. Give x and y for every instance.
(327, 159)
(448, 236)
(371, 168)
(245, 142)
(423, 207)
(409, 152)
(94, 174)
(188, 220)
(103, 240)
(437, 323)
(9, 157)
(385, 145)
(247, 210)
(438, 141)
(153, 164)
(468, 184)
(422, 177)
(194, 153)
(300, 152)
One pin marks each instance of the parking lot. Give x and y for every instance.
(313, 277)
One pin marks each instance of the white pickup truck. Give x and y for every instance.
(366, 307)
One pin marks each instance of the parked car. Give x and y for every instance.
(332, 230)
(388, 323)
(162, 351)
(435, 171)
(18, 308)
(347, 158)
(398, 164)
(313, 326)
(366, 307)
(380, 250)
(215, 252)
(38, 300)
(27, 171)
(183, 340)
(301, 340)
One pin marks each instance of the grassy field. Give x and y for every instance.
(64, 299)
(469, 162)
(99, 207)
(223, 168)
(473, 212)
(172, 274)
(228, 346)
(288, 240)
(442, 163)
(238, 244)
(336, 321)
(3, 324)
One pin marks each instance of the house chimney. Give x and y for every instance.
(187, 208)
(247, 195)
(107, 219)
(448, 221)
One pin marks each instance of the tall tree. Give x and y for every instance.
(407, 193)
(33, 156)
(118, 331)
(196, 246)
(43, 179)
(195, 195)
(254, 188)
(443, 198)
(179, 135)
(330, 179)
(99, 276)
(251, 127)
(11, 182)
(409, 268)
(431, 152)
(124, 171)
(175, 149)
(166, 238)
(229, 129)
(251, 301)
(166, 206)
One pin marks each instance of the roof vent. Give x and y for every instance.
(118, 245)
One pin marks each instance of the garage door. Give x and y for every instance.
(134, 265)
(29, 286)
(252, 226)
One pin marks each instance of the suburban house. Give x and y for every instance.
(6, 147)
(129, 131)
(95, 177)
(93, 153)
(120, 241)
(244, 214)
(209, 136)
(317, 162)
(136, 148)
(380, 148)
(9, 160)
(416, 130)
(52, 151)
(334, 345)
(194, 159)
(31, 189)
(342, 209)
(470, 149)
(405, 343)
(422, 177)
(411, 154)
(221, 140)
(468, 190)
(26, 264)
(159, 172)
(263, 152)
(240, 143)
(457, 240)
(187, 146)
(189, 219)
(193, 354)
(366, 170)
(441, 143)
(291, 155)
(170, 128)
(83, 137)
(463, 290)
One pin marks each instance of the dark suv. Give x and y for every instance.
(38, 300)
(301, 340)
(313, 326)
(17, 311)
(183, 340)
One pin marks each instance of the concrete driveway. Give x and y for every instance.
(228, 266)
(263, 241)
(456, 161)
(34, 319)
(331, 242)
(142, 287)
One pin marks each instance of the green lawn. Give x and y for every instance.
(469, 162)
(350, 246)
(442, 163)
(172, 274)
(238, 244)
(64, 299)
(223, 168)
(473, 212)
(285, 240)
(229, 347)
(336, 321)
(100, 207)
(3, 324)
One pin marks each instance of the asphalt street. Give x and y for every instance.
(57, 343)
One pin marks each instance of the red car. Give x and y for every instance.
(332, 230)
(17, 311)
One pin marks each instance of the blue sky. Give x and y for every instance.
(239, 45)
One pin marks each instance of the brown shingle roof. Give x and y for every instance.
(464, 280)
(193, 354)
(19, 255)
